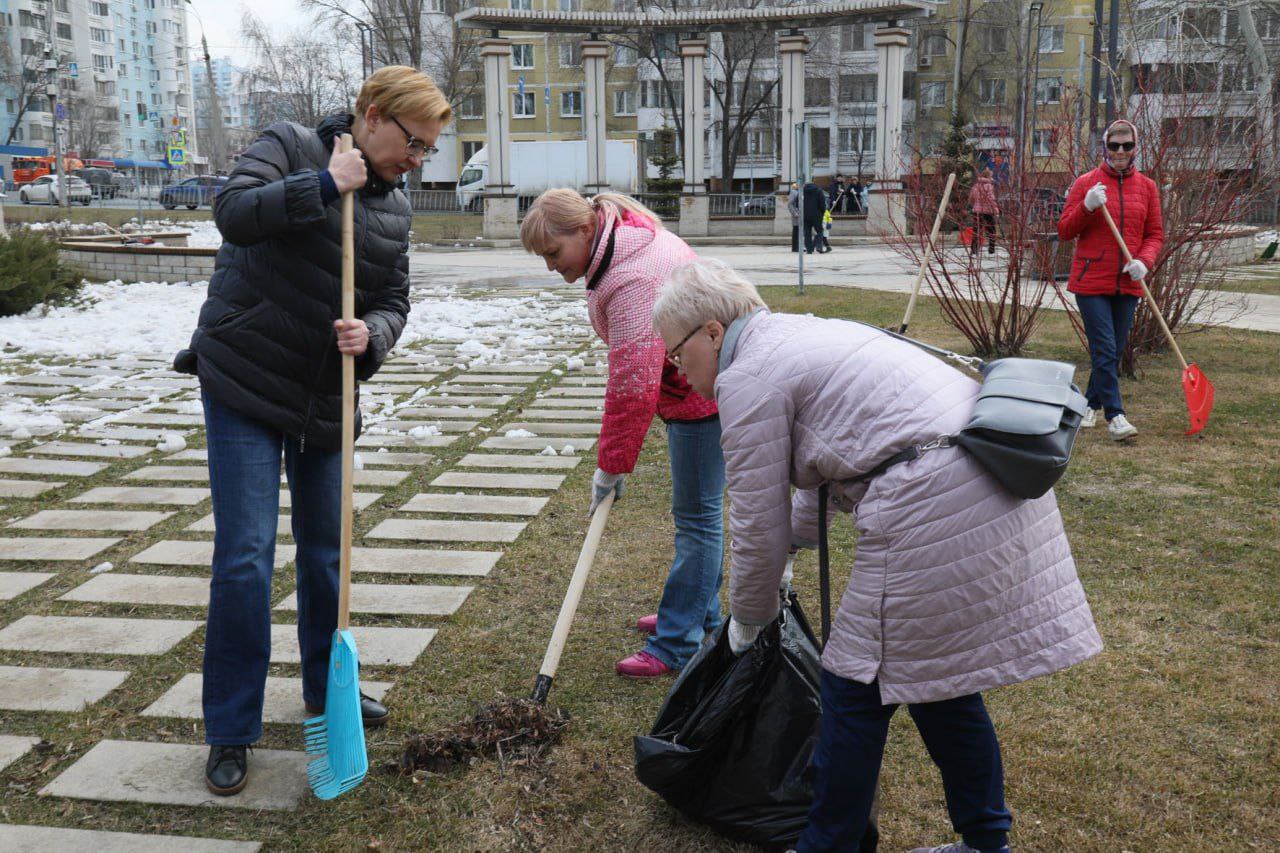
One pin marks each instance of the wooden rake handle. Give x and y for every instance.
(348, 398)
(1151, 302)
(569, 608)
(928, 252)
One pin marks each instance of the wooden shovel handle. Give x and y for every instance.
(569, 608)
(1151, 302)
(348, 398)
(928, 252)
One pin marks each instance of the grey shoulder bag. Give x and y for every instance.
(1023, 425)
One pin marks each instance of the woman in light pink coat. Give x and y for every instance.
(957, 586)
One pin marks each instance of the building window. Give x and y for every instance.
(1048, 90)
(522, 56)
(1042, 143)
(624, 55)
(857, 88)
(854, 37)
(522, 4)
(105, 87)
(933, 94)
(28, 19)
(1051, 38)
(571, 55)
(933, 43)
(755, 143)
(817, 92)
(624, 102)
(570, 5)
(99, 35)
(995, 39)
(470, 147)
(991, 91)
(471, 106)
(654, 96)
(571, 104)
(523, 105)
(100, 9)
(101, 63)
(857, 140)
(64, 30)
(819, 145)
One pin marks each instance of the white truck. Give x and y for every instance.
(538, 166)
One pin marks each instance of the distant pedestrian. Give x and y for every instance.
(839, 195)
(813, 205)
(793, 207)
(827, 220)
(982, 200)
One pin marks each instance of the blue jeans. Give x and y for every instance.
(1107, 321)
(960, 739)
(244, 476)
(690, 606)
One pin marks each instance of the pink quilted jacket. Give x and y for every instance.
(631, 260)
(956, 586)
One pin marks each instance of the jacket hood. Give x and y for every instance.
(1120, 124)
(330, 128)
(606, 252)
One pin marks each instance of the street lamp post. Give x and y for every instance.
(217, 146)
(366, 48)
(1036, 12)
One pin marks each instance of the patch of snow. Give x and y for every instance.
(548, 451)
(171, 442)
(100, 568)
(424, 431)
(569, 450)
(520, 433)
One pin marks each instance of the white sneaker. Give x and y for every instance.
(1119, 428)
(1090, 419)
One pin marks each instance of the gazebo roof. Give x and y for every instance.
(694, 20)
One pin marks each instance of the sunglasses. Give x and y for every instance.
(1121, 146)
(673, 355)
(414, 146)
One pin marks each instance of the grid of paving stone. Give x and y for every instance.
(108, 534)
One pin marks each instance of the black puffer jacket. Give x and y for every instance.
(265, 344)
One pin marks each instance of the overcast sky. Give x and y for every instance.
(221, 20)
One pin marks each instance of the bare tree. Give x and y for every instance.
(23, 75)
(301, 76)
(93, 124)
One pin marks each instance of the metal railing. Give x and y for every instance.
(435, 201)
(742, 204)
(665, 205)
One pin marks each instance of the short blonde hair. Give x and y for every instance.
(701, 291)
(398, 90)
(562, 211)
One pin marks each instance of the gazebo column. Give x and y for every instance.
(887, 201)
(594, 55)
(695, 206)
(501, 212)
(791, 53)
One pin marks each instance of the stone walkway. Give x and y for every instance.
(108, 537)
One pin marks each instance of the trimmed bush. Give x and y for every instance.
(31, 273)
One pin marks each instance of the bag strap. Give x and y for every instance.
(970, 361)
(824, 564)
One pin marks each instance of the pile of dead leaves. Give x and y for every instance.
(514, 730)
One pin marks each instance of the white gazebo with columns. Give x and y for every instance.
(500, 202)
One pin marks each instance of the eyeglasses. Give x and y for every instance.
(1121, 146)
(673, 354)
(414, 146)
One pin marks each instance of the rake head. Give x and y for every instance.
(336, 737)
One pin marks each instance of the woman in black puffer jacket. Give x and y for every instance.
(267, 350)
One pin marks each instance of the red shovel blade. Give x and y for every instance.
(1199, 393)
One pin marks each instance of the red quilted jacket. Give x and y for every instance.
(631, 261)
(1133, 200)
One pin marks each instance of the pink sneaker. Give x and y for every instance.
(643, 665)
(647, 624)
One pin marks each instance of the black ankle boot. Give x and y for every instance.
(227, 770)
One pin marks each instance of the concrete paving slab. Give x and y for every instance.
(55, 467)
(173, 774)
(443, 399)
(37, 688)
(423, 561)
(43, 839)
(376, 459)
(446, 531)
(485, 480)
(470, 378)
(405, 377)
(13, 747)
(519, 461)
(558, 442)
(281, 704)
(587, 404)
(443, 412)
(535, 413)
(582, 393)
(360, 500)
(377, 646)
(171, 473)
(14, 584)
(405, 441)
(26, 488)
(284, 525)
(399, 599)
(95, 635)
(526, 369)
(178, 552)
(475, 391)
(98, 451)
(126, 433)
(142, 589)
(552, 428)
(91, 519)
(52, 548)
(165, 496)
(162, 419)
(460, 504)
(448, 427)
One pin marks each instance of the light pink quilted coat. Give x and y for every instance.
(957, 586)
(620, 305)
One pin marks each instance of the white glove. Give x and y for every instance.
(1096, 197)
(1136, 269)
(787, 574)
(601, 485)
(741, 637)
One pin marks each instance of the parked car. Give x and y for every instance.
(123, 182)
(44, 190)
(192, 192)
(759, 205)
(99, 181)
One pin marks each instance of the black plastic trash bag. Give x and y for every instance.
(732, 744)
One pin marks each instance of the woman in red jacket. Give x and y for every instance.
(1107, 289)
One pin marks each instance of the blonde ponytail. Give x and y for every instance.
(562, 211)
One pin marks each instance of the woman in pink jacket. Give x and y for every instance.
(620, 250)
(957, 586)
(982, 200)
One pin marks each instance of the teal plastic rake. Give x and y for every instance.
(336, 737)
